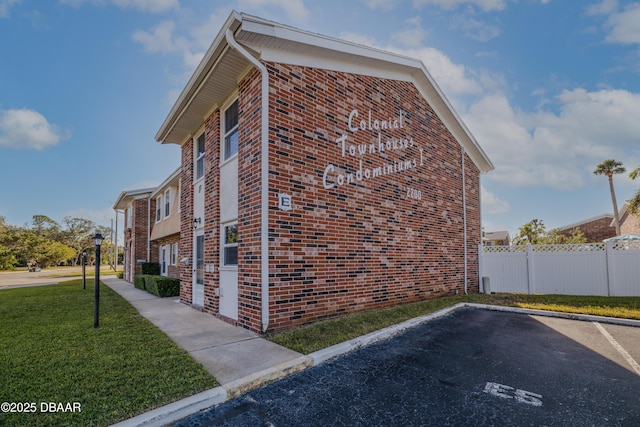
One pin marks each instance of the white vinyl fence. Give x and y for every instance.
(610, 269)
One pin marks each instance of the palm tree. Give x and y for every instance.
(634, 202)
(609, 168)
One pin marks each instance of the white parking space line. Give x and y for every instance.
(617, 346)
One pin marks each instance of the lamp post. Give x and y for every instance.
(84, 270)
(97, 239)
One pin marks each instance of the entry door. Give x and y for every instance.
(229, 271)
(198, 268)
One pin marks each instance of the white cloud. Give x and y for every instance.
(473, 28)
(624, 27)
(28, 129)
(454, 79)
(152, 6)
(5, 5)
(605, 7)
(160, 39)
(384, 5)
(491, 204)
(555, 150)
(485, 5)
(295, 9)
(413, 35)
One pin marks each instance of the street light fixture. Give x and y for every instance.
(97, 239)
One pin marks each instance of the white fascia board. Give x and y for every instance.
(167, 182)
(195, 81)
(310, 61)
(127, 196)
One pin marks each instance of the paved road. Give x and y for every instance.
(472, 368)
(18, 279)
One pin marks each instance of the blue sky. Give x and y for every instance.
(549, 88)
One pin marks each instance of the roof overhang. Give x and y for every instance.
(217, 75)
(171, 181)
(126, 197)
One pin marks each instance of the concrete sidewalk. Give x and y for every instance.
(229, 353)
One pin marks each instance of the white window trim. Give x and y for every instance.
(178, 195)
(196, 158)
(167, 203)
(223, 245)
(129, 215)
(159, 209)
(173, 254)
(223, 134)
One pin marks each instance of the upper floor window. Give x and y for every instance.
(129, 220)
(231, 130)
(167, 202)
(158, 208)
(199, 156)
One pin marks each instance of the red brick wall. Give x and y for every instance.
(356, 246)
(186, 222)
(630, 225)
(137, 233)
(212, 212)
(597, 230)
(351, 247)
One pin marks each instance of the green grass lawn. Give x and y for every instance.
(50, 352)
(317, 336)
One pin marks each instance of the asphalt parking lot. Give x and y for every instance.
(471, 368)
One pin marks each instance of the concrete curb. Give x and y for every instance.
(177, 410)
(183, 408)
(267, 376)
(354, 344)
(558, 314)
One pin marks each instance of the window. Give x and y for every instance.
(231, 130)
(200, 157)
(163, 260)
(230, 244)
(158, 208)
(174, 254)
(167, 203)
(129, 223)
(179, 192)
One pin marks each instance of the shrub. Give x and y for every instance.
(158, 285)
(139, 282)
(120, 274)
(152, 268)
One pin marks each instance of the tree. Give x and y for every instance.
(531, 232)
(634, 202)
(535, 232)
(609, 168)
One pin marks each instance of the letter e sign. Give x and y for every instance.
(284, 201)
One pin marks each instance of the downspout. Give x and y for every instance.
(149, 230)
(464, 223)
(264, 214)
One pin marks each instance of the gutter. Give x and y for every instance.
(264, 214)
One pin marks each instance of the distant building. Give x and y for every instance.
(151, 227)
(496, 238)
(595, 229)
(629, 223)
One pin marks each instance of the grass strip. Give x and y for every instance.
(50, 352)
(319, 335)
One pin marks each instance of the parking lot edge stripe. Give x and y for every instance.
(619, 348)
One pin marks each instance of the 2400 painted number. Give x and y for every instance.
(414, 193)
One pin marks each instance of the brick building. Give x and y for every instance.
(595, 229)
(629, 223)
(319, 177)
(136, 205)
(152, 227)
